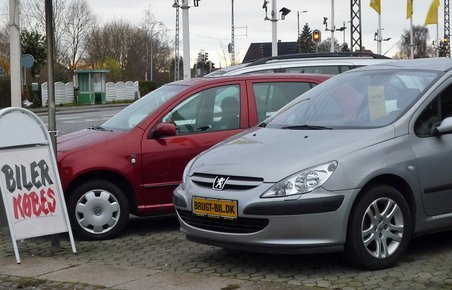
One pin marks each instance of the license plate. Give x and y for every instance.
(224, 208)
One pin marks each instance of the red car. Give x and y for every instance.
(134, 161)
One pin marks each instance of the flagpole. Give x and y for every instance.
(411, 38)
(437, 40)
(379, 34)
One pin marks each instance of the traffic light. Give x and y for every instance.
(206, 57)
(230, 48)
(316, 37)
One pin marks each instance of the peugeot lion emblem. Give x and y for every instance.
(219, 182)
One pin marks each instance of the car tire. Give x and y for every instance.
(98, 210)
(379, 228)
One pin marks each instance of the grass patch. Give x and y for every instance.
(26, 282)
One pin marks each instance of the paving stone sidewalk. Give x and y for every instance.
(153, 254)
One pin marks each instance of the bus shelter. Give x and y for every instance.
(91, 86)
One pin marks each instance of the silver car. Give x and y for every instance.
(319, 63)
(359, 164)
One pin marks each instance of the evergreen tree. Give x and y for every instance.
(443, 49)
(305, 43)
(35, 44)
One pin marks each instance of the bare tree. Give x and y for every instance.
(125, 50)
(4, 51)
(157, 46)
(111, 46)
(33, 19)
(79, 22)
(420, 39)
(225, 56)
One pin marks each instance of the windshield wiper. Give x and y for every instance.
(307, 127)
(99, 128)
(262, 125)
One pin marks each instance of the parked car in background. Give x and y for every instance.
(320, 63)
(359, 164)
(134, 161)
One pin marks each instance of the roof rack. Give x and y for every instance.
(315, 55)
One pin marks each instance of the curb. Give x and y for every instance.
(76, 109)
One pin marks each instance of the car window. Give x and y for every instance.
(270, 97)
(358, 99)
(436, 111)
(327, 69)
(213, 109)
(136, 112)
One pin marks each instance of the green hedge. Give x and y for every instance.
(146, 86)
(5, 92)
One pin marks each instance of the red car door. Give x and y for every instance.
(202, 118)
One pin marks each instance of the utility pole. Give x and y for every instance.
(332, 26)
(232, 35)
(274, 21)
(15, 53)
(186, 39)
(55, 240)
(447, 27)
(176, 44)
(356, 43)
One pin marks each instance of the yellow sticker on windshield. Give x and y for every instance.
(377, 104)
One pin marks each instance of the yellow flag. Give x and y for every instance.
(409, 8)
(432, 15)
(375, 4)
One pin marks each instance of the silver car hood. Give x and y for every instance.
(274, 154)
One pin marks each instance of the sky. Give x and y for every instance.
(210, 23)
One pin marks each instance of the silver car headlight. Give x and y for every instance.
(303, 181)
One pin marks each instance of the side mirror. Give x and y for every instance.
(165, 130)
(445, 127)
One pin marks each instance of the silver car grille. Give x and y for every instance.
(240, 225)
(233, 182)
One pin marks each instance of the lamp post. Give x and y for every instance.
(185, 33)
(298, 20)
(274, 19)
(186, 38)
(14, 44)
(343, 28)
(379, 39)
(332, 26)
(151, 59)
(232, 50)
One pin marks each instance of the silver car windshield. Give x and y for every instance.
(359, 99)
(136, 112)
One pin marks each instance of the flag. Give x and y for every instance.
(432, 15)
(409, 9)
(375, 4)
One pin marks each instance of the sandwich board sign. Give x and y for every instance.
(29, 182)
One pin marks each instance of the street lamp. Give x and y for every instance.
(274, 19)
(333, 27)
(379, 39)
(298, 19)
(185, 33)
(149, 43)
